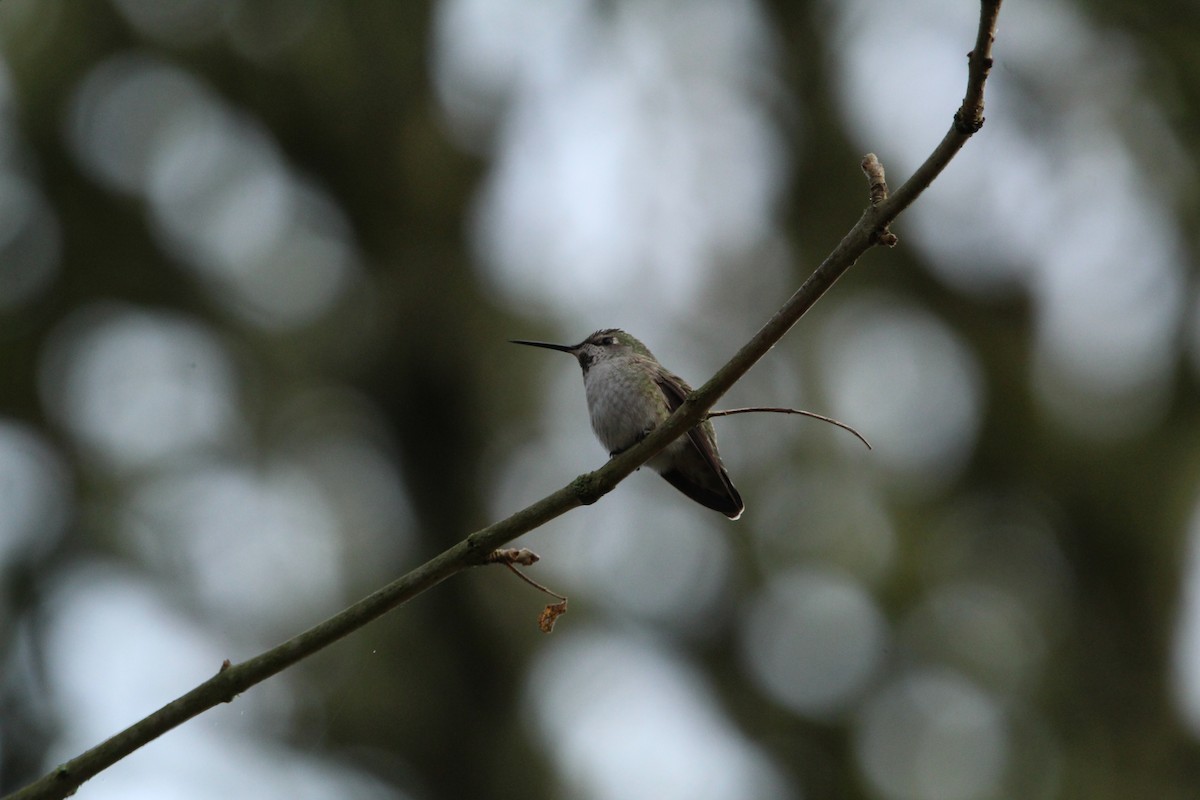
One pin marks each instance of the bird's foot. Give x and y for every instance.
(640, 437)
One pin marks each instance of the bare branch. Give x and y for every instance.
(475, 550)
(968, 120)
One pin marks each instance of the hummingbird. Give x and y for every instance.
(629, 394)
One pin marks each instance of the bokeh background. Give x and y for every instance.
(258, 263)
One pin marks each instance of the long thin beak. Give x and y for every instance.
(566, 348)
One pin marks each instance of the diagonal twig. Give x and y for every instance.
(474, 550)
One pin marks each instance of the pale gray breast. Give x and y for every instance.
(622, 402)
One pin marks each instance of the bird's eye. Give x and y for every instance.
(611, 340)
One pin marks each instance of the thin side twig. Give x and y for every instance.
(728, 412)
(533, 583)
